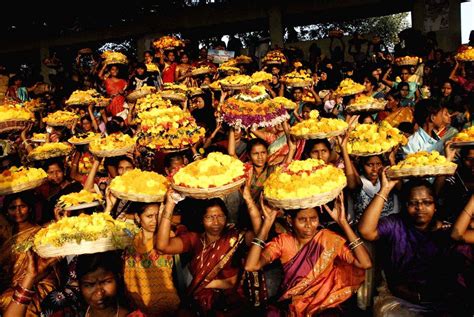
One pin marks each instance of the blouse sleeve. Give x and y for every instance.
(345, 254)
(189, 239)
(273, 249)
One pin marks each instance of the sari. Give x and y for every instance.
(148, 277)
(321, 275)
(114, 90)
(13, 267)
(278, 148)
(212, 262)
(256, 181)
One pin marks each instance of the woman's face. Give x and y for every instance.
(56, 135)
(171, 57)
(392, 103)
(324, 76)
(320, 152)
(372, 168)
(148, 58)
(18, 211)
(447, 89)
(184, 59)
(404, 91)
(214, 220)
(198, 102)
(140, 71)
(86, 125)
(124, 166)
(405, 74)
(114, 71)
(275, 70)
(148, 218)
(258, 155)
(55, 174)
(305, 223)
(297, 95)
(274, 79)
(368, 120)
(421, 206)
(99, 289)
(305, 113)
(441, 119)
(368, 85)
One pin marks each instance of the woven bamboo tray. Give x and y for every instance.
(371, 107)
(172, 96)
(300, 83)
(84, 142)
(144, 198)
(407, 63)
(208, 193)
(22, 187)
(201, 71)
(60, 124)
(174, 150)
(137, 94)
(273, 62)
(462, 143)
(370, 154)
(236, 87)
(352, 93)
(322, 135)
(83, 206)
(112, 153)
(84, 247)
(48, 155)
(422, 171)
(303, 203)
(79, 103)
(13, 125)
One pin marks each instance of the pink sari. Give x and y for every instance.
(319, 276)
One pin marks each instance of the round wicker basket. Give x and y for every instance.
(144, 198)
(410, 62)
(83, 142)
(112, 153)
(273, 62)
(463, 143)
(22, 187)
(201, 71)
(302, 203)
(235, 87)
(83, 206)
(322, 135)
(84, 247)
(371, 107)
(61, 123)
(81, 103)
(48, 155)
(172, 96)
(422, 171)
(300, 83)
(13, 125)
(351, 93)
(369, 154)
(208, 193)
(137, 94)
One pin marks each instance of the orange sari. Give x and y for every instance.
(319, 276)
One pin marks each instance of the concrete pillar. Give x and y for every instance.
(275, 26)
(44, 53)
(448, 39)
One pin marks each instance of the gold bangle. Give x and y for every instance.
(381, 196)
(468, 213)
(165, 216)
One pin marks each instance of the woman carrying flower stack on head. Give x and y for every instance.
(215, 265)
(423, 267)
(19, 209)
(115, 87)
(148, 274)
(320, 272)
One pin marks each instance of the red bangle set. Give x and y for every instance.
(22, 295)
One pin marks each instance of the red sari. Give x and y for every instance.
(319, 276)
(114, 88)
(209, 263)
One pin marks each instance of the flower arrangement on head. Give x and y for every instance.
(60, 117)
(275, 57)
(465, 54)
(298, 79)
(368, 139)
(318, 128)
(303, 179)
(253, 108)
(215, 170)
(79, 198)
(168, 129)
(349, 87)
(466, 135)
(152, 101)
(15, 177)
(167, 42)
(140, 182)
(112, 57)
(15, 112)
(79, 97)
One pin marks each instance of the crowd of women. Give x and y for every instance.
(383, 247)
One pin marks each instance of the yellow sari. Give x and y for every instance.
(13, 268)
